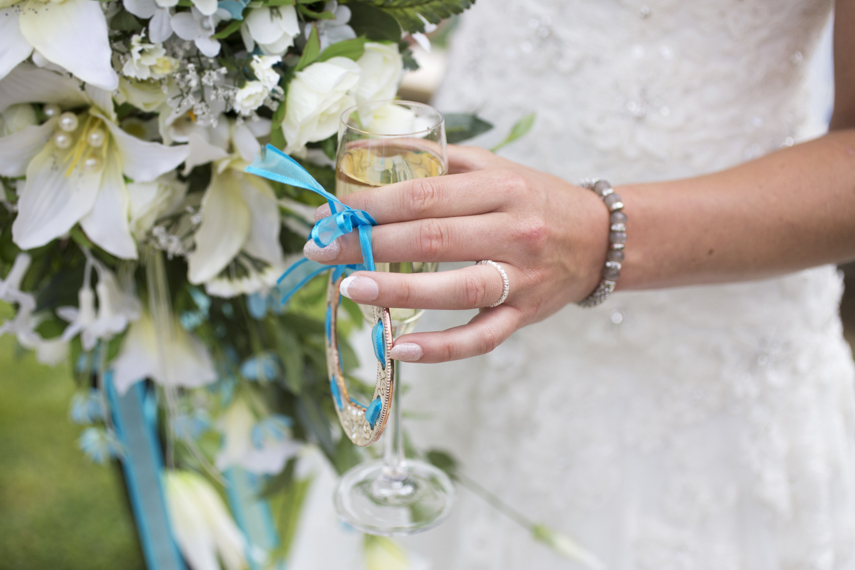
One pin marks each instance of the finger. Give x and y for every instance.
(469, 158)
(473, 287)
(437, 197)
(486, 331)
(439, 239)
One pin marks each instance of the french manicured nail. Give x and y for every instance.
(406, 352)
(359, 289)
(315, 253)
(322, 212)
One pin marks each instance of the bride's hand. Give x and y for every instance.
(549, 236)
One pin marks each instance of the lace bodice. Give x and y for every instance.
(704, 427)
(696, 428)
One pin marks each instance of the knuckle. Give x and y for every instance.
(514, 181)
(406, 294)
(532, 233)
(433, 239)
(424, 195)
(474, 291)
(489, 341)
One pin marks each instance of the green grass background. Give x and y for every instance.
(58, 510)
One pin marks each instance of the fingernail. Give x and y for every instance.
(406, 352)
(322, 212)
(359, 288)
(315, 253)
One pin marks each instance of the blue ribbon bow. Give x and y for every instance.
(274, 164)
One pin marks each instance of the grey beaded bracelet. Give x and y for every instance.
(617, 240)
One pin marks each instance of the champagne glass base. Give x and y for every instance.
(375, 499)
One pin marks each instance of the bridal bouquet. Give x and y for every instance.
(133, 243)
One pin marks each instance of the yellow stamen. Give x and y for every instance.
(81, 148)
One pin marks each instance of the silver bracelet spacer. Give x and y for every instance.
(617, 241)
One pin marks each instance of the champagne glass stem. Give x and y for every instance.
(393, 455)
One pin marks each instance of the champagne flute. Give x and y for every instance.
(383, 143)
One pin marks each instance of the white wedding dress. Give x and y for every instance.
(695, 428)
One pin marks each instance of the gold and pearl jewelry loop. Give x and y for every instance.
(363, 424)
(506, 286)
(617, 241)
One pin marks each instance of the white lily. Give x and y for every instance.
(239, 215)
(272, 28)
(50, 351)
(186, 361)
(69, 33)
(203, 527)
(239, 449)
(316, 98)
(152, 200)
(75, 173)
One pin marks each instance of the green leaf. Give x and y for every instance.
(233, 26)
(407, 12)
(329, 146)
(311, 51)
(316, 15)
(289, 515)
(126, 22)
(518, 131)
(351, 49)
(374, 23)
(353, 312)
(410, 63)
(346, 455)
(312, 419)
(442, 460)
(292, 357)
(461, 127)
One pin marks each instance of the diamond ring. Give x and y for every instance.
(506, 284)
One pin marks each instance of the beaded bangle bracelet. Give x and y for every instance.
(617, 240)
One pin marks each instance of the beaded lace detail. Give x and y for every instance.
(696, 428)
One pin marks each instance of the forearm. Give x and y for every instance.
(789, 210)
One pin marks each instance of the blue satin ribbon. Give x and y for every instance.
(274, 164)
(135, 421)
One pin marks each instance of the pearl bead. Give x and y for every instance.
(617, 237)
(615, 255)
(51, 110)
(96, 138)
(617, 218)
(68, 122)
(62, 140)
(611, 199)
(92, 163)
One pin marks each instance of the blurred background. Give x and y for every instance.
(60, 511)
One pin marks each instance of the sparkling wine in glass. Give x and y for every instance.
(383, 143)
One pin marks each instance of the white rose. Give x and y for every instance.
(273, 29)
(382, 68)
(262, 67)
(250, 97)
(316, 98)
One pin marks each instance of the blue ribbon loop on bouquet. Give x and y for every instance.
(274, 164)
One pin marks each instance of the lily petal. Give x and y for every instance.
(262, 26)
(30, 84)
(107, 223)
(208, 46)
(14, 48)
(263, 240)
(143, 161)
(52, 202)
(201, 152)
(224, 229)
(245, 142)
(186, 26)
(73, 34)
(18, 149)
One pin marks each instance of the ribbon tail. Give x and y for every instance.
(298, 275)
